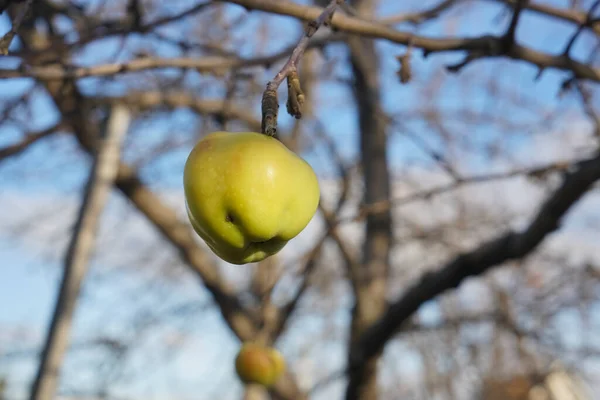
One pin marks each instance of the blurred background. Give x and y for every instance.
(434, 126)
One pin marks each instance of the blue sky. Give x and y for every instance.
(28, 275)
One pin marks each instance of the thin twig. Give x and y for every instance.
(8, 37)
(206, 64)
(27, 141)
(511, 31)
(270, 104)
(538, 171)
(580, 28)
(102, 176)
(564, 14)
(419, 17)
(586, 99)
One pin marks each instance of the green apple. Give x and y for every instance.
(259, 364)
(247, 194)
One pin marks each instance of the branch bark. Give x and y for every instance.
(102, 176)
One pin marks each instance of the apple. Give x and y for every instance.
(259, 364)
(247, 194)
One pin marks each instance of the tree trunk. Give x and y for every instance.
(370, 290)
(100, 183)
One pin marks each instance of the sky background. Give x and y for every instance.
(39, 195)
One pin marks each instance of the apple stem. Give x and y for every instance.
(270, 104)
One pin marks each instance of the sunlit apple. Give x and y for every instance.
(247, 194)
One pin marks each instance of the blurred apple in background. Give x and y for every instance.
(259, 364)
(247, 194)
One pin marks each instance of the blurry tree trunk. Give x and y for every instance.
(370, 287)
(101, 179)
(2, 388)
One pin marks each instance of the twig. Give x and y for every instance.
(505, 44)
(104, 172)
(270, 104)
(112, 28)
(28, 140)
(206, 64)
(8, 37)
(380, 206)
(288, 309)
(180, 99)
(564, 14)
(509, 36)
(586, 99)
(419, 17)
(584, 24)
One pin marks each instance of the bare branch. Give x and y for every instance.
(288, 309)
(586, 99)
(580, 28)
(509, 36)
(419, 17)
(483, 46)
(204, 64)
(425, 194)
(506, 247)
(569, 15)
(29, 139)
(104, 172)
(18, 20)
(107, 29)
(156, 99)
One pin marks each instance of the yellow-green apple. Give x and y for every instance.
(247, 194)
(259, 364)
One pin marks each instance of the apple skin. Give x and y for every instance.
(247, 194)
(259, 364)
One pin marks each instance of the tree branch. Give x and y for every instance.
(28, 140)
(156, 99)
(587, 22)
(569, 15)
(484, 46)
(16, 24)
(510, 35)
(512, 245)
(208, 64)
(104, 172)
(203, 64)
(419, 17)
